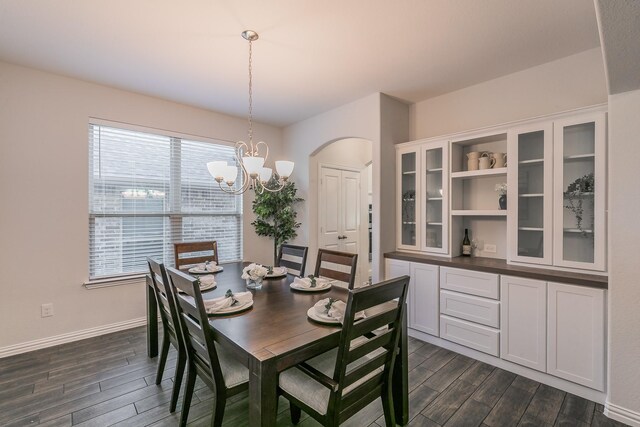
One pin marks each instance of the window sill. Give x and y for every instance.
(115, 281)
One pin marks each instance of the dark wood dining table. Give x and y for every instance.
(276, 334)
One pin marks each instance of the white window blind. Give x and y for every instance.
(147, 191)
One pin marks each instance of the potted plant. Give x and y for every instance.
(574, 196)
(276, 215)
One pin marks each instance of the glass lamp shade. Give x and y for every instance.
(230, 173)
(265, 174)
(284, 168)
(216, 168)
(253, 165)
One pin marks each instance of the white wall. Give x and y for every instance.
(624, 235)
(44, 208)
(352, 153)
(568, 83)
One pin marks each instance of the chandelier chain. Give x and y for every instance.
(250, 95)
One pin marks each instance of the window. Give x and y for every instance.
(147, 191)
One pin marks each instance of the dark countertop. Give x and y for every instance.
(500, 266)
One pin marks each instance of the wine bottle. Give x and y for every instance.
(466, 244)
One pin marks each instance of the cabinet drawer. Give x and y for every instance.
(467, 307)
(471, 335)
(470, 282)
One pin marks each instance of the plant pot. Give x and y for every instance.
(502, 202)
(254, 284)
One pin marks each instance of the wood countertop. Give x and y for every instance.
(500, 266)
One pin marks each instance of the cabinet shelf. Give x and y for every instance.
(409, 173)
(434, 170)
(478, 173)
(575, 230)
(531, 195)
(430, 199)
(530, 229)
(531, 162)
(408, 223)
(582, 195)
(408, 200)
(479, 212)
(579, 157)
(434, 223)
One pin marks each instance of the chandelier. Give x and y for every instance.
(250, 157)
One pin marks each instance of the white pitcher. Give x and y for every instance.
(486, 162)
(472, 162)
(500, 160)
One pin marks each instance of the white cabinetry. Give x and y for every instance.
(408, 165)
(523, 338)
(422, 299)
(576, 334)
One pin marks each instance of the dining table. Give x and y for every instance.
(276, 334)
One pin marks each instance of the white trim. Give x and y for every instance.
(70, 337)
(621, 414)
(115, 281)
(578, 390)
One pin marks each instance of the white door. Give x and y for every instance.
(339, 214)
(425, 298)
(523, 338)
(576, 326)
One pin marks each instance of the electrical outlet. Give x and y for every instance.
(46, 310)
(490, 248)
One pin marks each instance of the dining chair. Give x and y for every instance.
(219, 369)
(171, 333)
(194, 249)
(293, 258)
(335, 257)
(337, 384)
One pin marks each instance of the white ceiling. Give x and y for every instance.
(312, 55)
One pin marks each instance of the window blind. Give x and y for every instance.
(147, 191)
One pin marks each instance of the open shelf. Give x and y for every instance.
(481, 172)
(478, 212)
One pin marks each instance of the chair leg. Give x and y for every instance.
(295, 413)
(177, 381)
(387, 406)
(163, 357)
(188, 394)
(218, 411)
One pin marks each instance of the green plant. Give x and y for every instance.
(574, 196)
(276, 214)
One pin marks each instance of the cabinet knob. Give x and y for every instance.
(342, 237)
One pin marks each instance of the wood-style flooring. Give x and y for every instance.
(109, 380)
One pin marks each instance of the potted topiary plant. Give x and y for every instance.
(276, 215)
(576, 191)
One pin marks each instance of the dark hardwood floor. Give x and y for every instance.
(109, 380)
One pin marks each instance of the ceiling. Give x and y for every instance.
(311, 56)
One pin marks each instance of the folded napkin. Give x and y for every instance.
(208, 280)
(305, 282)
(216, 304)
(336, 310)
(209, 266)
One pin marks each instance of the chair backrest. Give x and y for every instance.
(210, 247)
(196, 333)
(293, 257)
(367, 379)
(341, 258)
(164, 298)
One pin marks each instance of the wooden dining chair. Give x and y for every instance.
(171, 334)
(195, 248)
(337, 384)
(341, 258)
(219, 369)
(293, 258)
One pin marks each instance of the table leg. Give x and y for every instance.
(263, 398)
(400, 385)
(152, 320)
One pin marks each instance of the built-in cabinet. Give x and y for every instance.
(555, 171)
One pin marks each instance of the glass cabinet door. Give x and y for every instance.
(579, 192)
(434, 197)
(408, 173)
(530, 188)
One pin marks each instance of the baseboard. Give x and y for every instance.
(70, 337)
(559, 383)
(621, 414)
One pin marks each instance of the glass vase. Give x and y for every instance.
(254, 284)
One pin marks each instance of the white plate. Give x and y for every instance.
(233, 309)
(197, 270)
(208, 287)
(277, 272)
(311, 313)
(318, 288)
